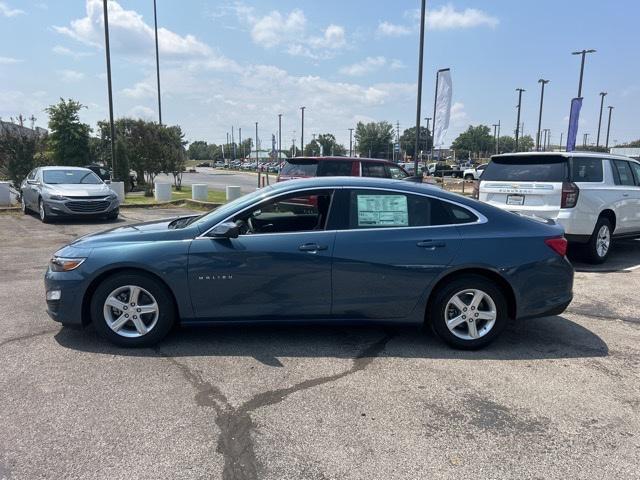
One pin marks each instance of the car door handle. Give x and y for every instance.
(311, 247)
(625, 194)
(430, 244)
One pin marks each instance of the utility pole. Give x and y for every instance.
(542, 82)
(419, 99)
(519, 90)
(602, 95)
(398, 140)
(426, 142)
(240, 142)
(228, 144)
(498, 144)
(108, 53)
(233, 144)
(257, 171)
(608, 126)
(302, 132)
(155, 21)
(560, 144)
(583, 53)
(585, 137)
(351, 142)
(279, 138)
(495, 136)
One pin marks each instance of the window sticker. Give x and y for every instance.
(383, 211)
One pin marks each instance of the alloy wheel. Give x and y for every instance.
(470, 314)
(131, 311)
(603, 241)
(41, 211)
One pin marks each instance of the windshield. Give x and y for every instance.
(527, 168)
(299, 168)
(70, 177)
(227, 209)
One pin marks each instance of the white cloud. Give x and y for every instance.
(140, 90)
(9, 60)
(140, 111)
(70, 75)
(367, 65)
(447, 17)
(290, 31)
(459, 116)
(7, 11)
(129, 32)
(393, 30)
(67, 52)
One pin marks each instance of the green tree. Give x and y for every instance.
(173, 152)
(632, 144)
(244, 149)
(68, 142)
(475, 139)
(199, 150)
(21, 150)
(408, 140)
(373, 138)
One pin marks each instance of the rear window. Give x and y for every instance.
(334, 168)
(299, 168)
(532, 168)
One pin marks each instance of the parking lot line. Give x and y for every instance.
(631, 269)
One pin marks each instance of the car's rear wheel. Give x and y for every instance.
(132, 310)
(42, 212)
(597, 250)
(468, 177)
(469, 312)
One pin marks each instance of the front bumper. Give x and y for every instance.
(68, 309)
(81, 207)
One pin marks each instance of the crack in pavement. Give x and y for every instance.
(236, 426)
(25, 337)
(577, 311)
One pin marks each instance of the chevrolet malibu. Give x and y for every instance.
(336, 249)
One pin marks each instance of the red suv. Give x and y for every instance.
(304, 167)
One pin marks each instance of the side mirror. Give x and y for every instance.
(108, 181)
(32, 182)
(225, 230)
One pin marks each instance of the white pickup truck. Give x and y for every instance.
(474, 172)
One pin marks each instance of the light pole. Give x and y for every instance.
(608, 126)
(302, 131)
(155, 21)
(584, 54)
(240, 142)
(279, 137)
(495, 136)
(542, 82)
(519, 90)
(257, 171)
(419, 99)
(351, 142)
(113, 128)
(585, 138)
(426, 142)
(602, 95)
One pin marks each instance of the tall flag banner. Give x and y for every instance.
(443, 108)
(574, 116)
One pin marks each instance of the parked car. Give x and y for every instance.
(474, 173)
(305, 167)
(103, 173)
(364, 249)
(56, 192)
(204, 164)
(441, 169)
(594, 196)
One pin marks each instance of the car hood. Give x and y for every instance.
(154, 231)
(75, 190)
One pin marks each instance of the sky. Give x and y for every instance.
(234, 63)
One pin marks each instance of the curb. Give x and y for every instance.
(171, 203)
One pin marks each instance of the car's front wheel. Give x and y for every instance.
(468, 177)
(132, 310)
(469, 312)
(42, 212)
(23, 204)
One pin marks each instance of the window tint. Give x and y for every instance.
(297, 212)
(623, 170)
(636, 171)
(527, 168)
(334, 168)
(373, 169)
(382, 209)
(299, 168)
(586, 170)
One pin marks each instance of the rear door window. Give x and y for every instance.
(622, 173)
(586, 169)
(334, 168)
(527, 168)
(299, 168)
(635, 167)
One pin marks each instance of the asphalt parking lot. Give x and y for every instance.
(556, 397)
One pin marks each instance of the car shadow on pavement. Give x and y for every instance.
(544, 338)
(624, 254)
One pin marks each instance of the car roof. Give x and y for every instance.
(342, 159)
(575, 153)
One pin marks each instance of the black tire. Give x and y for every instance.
(166, 310)
(468, 177)
(23, 205)
(113, 215)
(438, 304)
(591, 251)
(42, 212)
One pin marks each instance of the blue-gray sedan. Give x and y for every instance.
(335, 249)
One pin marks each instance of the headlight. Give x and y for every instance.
(62, 264)
(57, 197)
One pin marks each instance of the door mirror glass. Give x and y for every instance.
(225, 230)
(32, 182)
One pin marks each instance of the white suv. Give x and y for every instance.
(594, 196)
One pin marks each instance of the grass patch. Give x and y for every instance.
(215, 196)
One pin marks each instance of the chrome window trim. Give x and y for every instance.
(481, 219)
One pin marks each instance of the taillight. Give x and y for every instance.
(570, 192)
(558, 245)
